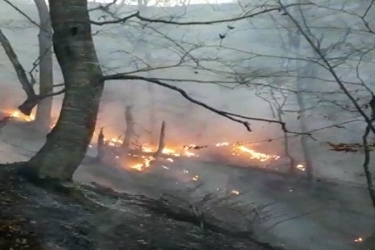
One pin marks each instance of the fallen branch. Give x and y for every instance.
(173, 207)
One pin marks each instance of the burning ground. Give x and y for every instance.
(246, 202)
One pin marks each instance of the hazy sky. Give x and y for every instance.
(171, 2)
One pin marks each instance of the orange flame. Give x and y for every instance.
(17, 114)
(255, 155)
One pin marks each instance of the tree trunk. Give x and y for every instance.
(129, 132)
(304, 129)
(67, 143)
(161, 144)
(295, 45)
(43, 113)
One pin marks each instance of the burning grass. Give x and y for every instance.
(141, 157)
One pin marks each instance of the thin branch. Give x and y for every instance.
(23, 14)
(329, 68)
(20, 71)
(228, 115)
(150, 20)
(58, 85)
(103, 7)
(41, 97)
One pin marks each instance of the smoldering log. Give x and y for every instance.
(161, 144)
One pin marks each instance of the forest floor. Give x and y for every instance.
(284, 211)
(36, 218)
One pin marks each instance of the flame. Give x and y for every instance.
(301, 167)
(358, 240)
(221, 144)
(195, 178)
(144, 163)
(141, 162)
(113, 142)
(255, 155)
(17, 114)
(235, 192)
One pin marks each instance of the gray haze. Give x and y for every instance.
(261, 51)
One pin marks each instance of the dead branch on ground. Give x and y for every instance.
(200, 213)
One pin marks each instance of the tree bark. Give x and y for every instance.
(43, 113)
(161, 144)
(129, 132)
(67, 143)
(304, 139)
(295, 44)
(100, 147)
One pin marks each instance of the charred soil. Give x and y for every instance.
(37, 218)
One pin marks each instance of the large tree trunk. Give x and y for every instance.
(43, 113)
(67, 143)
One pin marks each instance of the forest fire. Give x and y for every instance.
(146, 153)
(19, 116)
(358, 239)
(145, 157)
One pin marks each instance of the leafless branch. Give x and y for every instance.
(150, 20)
(32, 98)
(228, 115)
(41, 97)
(329, 67)
(20, 71)
(103, 7)
(23, 13)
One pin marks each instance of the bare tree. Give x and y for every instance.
(44, 62)
(323, 59)
(307, 71)
(66, 145)
(43, 113)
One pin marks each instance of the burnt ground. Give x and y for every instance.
(36, 218)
